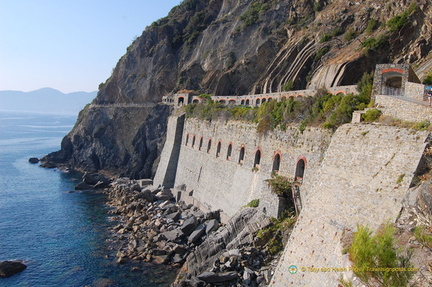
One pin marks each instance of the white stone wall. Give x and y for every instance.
(221, 183)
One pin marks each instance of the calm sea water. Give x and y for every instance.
(61, 236)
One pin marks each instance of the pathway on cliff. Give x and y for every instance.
(365, 173)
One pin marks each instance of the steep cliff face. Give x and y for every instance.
(227, 47)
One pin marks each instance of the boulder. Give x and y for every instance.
(33, 160)
(145, 182)
(211, 225)
(83, 186)
(173, 235)
(196, 234)
(95, 179)
(211, 277)
(9, 268)
(146, 194)
(189, 225)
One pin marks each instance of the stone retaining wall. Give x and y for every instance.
(225, 181)
(364, 176)
(404, 109)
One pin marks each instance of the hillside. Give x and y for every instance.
(227, 47)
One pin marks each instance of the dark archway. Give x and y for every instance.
(187, 139)
(257, 159)
(229, 152)
(181, 101)
(300, 169)
(218, 149)
(201, 143)
(193, 141)
(276, 162)
(209, 146)
(241, 155)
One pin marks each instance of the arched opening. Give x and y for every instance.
(218, 149)
(200, 143)
(229, 151)
(257, 159)
(257, 102)
(263, 100)
(241, 155)
(247, 102)
(193, 141)
(276, 162)
(209, 146)
(283, 98)
(222, 101)
(181, 101)
(300, 169)
(187, 139)
(195, 101)
(242, 102)
(231, 102)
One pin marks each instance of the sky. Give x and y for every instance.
(69, 45)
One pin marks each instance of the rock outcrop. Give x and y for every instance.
(9, 268)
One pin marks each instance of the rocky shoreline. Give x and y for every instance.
(154, 228)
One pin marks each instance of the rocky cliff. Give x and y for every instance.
(226, 47)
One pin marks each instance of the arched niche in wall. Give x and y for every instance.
(229, 151)
(181, 101)
(300, 169)
(218, 148)
(201, 143)
(257, 159)
(209, 145)
(193, 141)
(276, 161)
(241, 154)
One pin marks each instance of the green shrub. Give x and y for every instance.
(288, 86)
(280, 185)
(374, 256)
(372, 25)
(350, 34)
(270, 238)
(399, 21)
(321, 52)
(373, 44)
(253, 203)
(422, 236)
(428, 79)
(371, 115)
(421, 126)
(251, 16)
(325, 38)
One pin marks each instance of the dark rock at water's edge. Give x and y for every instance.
(93, 181)
(33, 160)
(121, 140)
(9, 268)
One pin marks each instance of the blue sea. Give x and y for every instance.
(62, 236)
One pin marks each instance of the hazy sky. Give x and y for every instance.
(69, 45)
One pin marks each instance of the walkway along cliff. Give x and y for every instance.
(358, 175)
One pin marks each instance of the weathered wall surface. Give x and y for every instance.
(402, 108)
(415, 91)
(167, 167)
(363, 178)
(223, 182)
